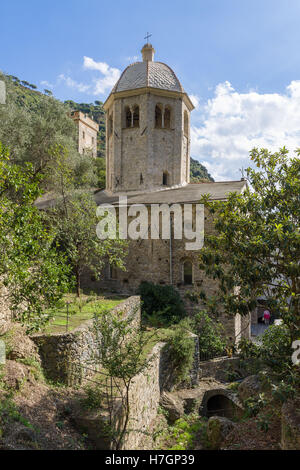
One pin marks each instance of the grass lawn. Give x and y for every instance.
(80, 310)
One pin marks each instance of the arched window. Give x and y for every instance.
(165, 180)
(158, 116)
(127, 117)
(110, 125)
(188, 272)
(167, 118)
(186, 124)
(136, 117)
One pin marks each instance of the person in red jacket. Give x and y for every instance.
(267, 317)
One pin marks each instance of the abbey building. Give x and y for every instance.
(148, 161)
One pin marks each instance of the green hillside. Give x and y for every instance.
(43, 104)
(198, 172)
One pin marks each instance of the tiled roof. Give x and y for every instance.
(185, 194)
(148, 74)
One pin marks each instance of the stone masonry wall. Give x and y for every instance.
(136, 157)
(144, 399)
(61, 353)
(146, 390)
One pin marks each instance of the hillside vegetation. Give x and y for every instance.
(40, 114)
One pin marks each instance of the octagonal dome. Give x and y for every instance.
(148, 74)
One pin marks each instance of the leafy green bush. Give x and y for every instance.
(182, 350)
(276, 347)
(210, 333)
(247, 349)
(253, 405)
(185, 432)
(283, 391)
(162, 305)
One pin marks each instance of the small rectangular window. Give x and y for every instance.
(113, 273)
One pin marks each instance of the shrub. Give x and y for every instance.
(182, 350)
(276, 349)
(161, 304)
(185, 433)
(247, 349)
(210, 333)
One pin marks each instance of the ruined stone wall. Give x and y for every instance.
(144, 398)
(62, 353)
(147, 388)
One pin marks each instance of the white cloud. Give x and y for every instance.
(73, 84)
(233, 123)
(98, 85)
(195, 100)
(47, 84)
(109, 78)
(132, 59)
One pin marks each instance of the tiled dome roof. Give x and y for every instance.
(148, 74)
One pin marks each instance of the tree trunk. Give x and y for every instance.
(77, 282)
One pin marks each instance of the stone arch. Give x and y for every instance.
(186, 123)
(110, 124)
(136, 116)
(187, 271)
(166, 178)
(220, 402)
(158, 116)
(167, 117)
(128, 116)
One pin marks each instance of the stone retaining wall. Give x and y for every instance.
(61, 353)
(227, 369)
(144, 397)
(220, 368)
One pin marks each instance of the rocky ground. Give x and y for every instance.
(35, 414)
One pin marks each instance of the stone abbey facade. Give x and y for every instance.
(147, 160)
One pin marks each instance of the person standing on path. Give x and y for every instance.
(267, 317)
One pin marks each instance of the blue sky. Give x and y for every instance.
(239, 59)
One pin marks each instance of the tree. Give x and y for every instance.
(74, 217)
(255, 250)
(121, 352)
(101, 172)
(35, 275)
(32, 125)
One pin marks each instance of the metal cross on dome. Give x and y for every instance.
(148, 35)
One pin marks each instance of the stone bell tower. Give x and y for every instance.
(147, 128)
